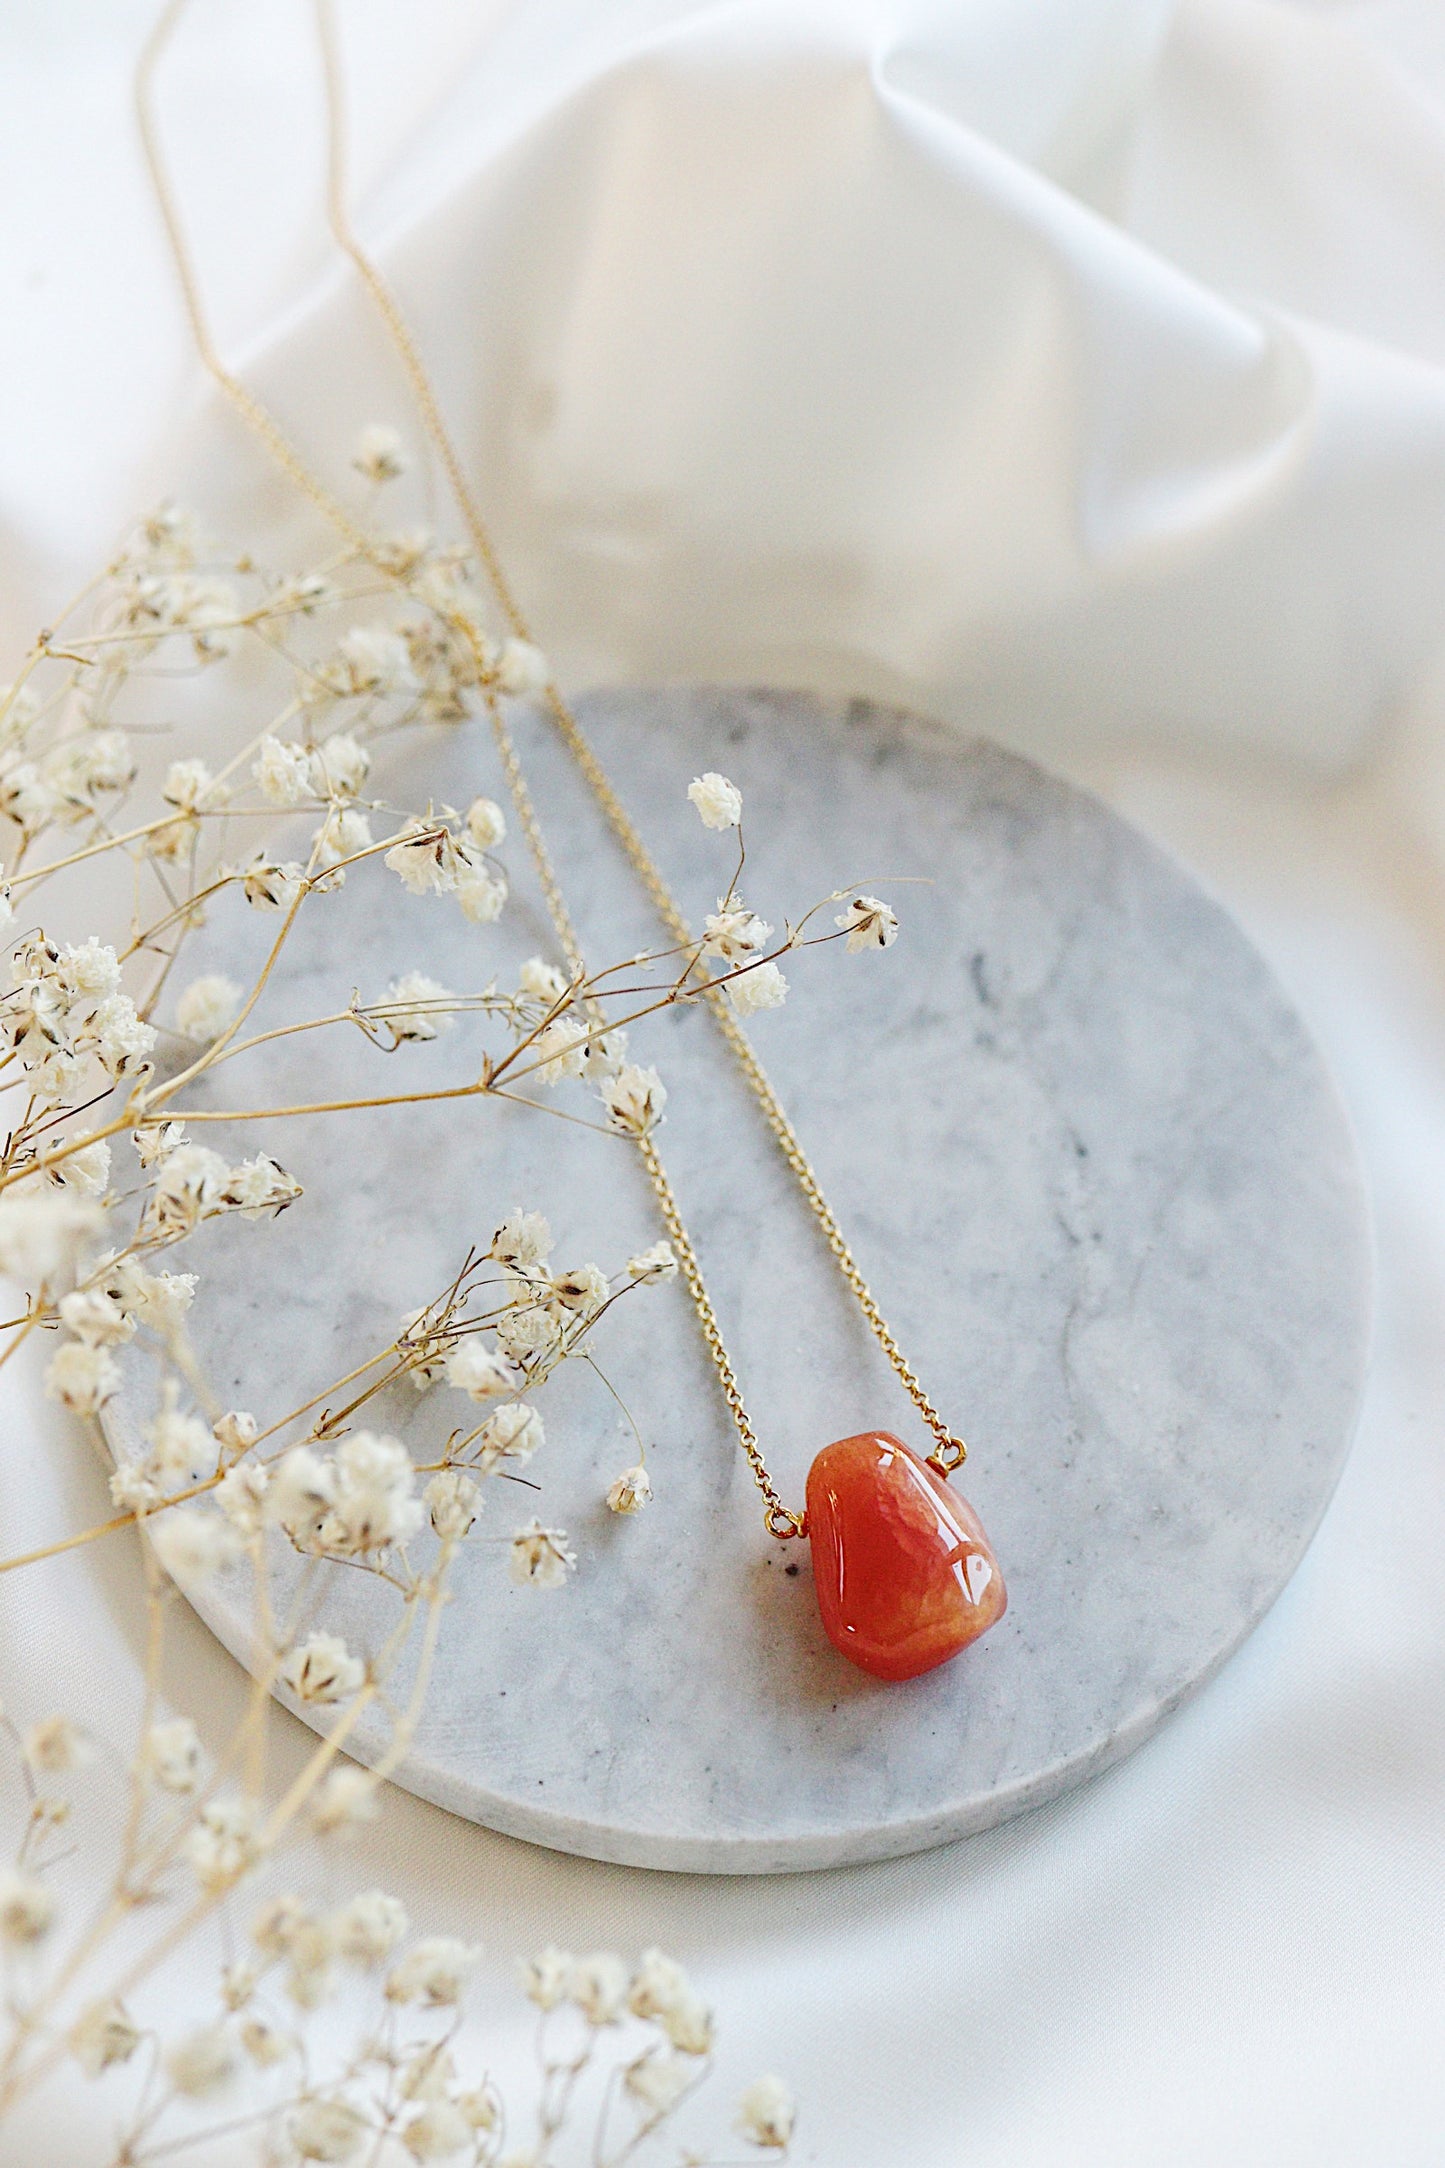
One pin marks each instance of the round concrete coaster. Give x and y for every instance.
(1090, 1162)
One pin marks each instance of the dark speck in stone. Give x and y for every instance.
(791, 1572)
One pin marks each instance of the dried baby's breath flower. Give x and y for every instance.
(188, 1184)
(207, 1006)
(561, 1050)
(631, 1491)
(103, 2036)
(424, 1348)
(268, 885)
(180, 1446)
(82, 1378)
(123, 1042)
(634, 1099)
(597, 1986)
(418, 1007)
(322, 1670)
(760, 986)
(344, 833)
(300, 1494)
(260, 1188)
(433, 1972)
(486, 824)
(344, 1801)
(192, 1544)
(43, 1233)
(369, 659)
(403, 552)
(340, 765)
(224, 1842)
(480, 1372)
(868, 923)
(515, 1433)
(529, 1332)
(308, 1975)
(85, 1171)
(522, 668)
(719, 803)
(239, 1982)
(27, 1909)
(582, 1289)
(540, 1557)
(303, 594)
(158, 1142)
(187, 784)
(170, 1755)
(767, 2114)
(542, 981)
(54, 1746)
(656, 1263)
(371, 1502)
(378, 454)
(425, 859)
(133, 1491)
(94, 1316)
(369, 1926)
(27, 798)
(266, 2044)
(283, 770)
(236, 1431)
(481, 890)
(279, 1922)
(657, 2081)
(658, 1985)
(453, 1501)
(162, 1300)
(203, 2061)
(439, 2132)
(545, 1976)
(688, 2025)
(523, 1239)
(732, 933)
(329, 2130)
(241, 1496)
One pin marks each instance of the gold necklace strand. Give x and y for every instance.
(782, 1521)
(950, 1450)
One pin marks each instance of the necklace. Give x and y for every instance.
(905, 1576)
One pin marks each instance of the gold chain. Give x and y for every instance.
(782, 1521)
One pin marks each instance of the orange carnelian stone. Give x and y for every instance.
(904, 1573)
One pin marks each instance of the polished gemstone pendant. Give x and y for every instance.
(904, 1573)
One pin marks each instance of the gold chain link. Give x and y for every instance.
(783, 1522)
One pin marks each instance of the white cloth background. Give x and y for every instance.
(1076, 368)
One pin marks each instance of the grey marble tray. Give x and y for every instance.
(1092, 1164)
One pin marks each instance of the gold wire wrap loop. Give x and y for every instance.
(782, 1522)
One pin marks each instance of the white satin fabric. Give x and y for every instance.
(1074, 368)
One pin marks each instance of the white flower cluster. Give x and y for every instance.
(68, 780)
(605, 1993)
(66, 1010)
(119, 1295)
(190, 1182)
(868, 923)
(291, 774)
(432, 858)
(353, 1503)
